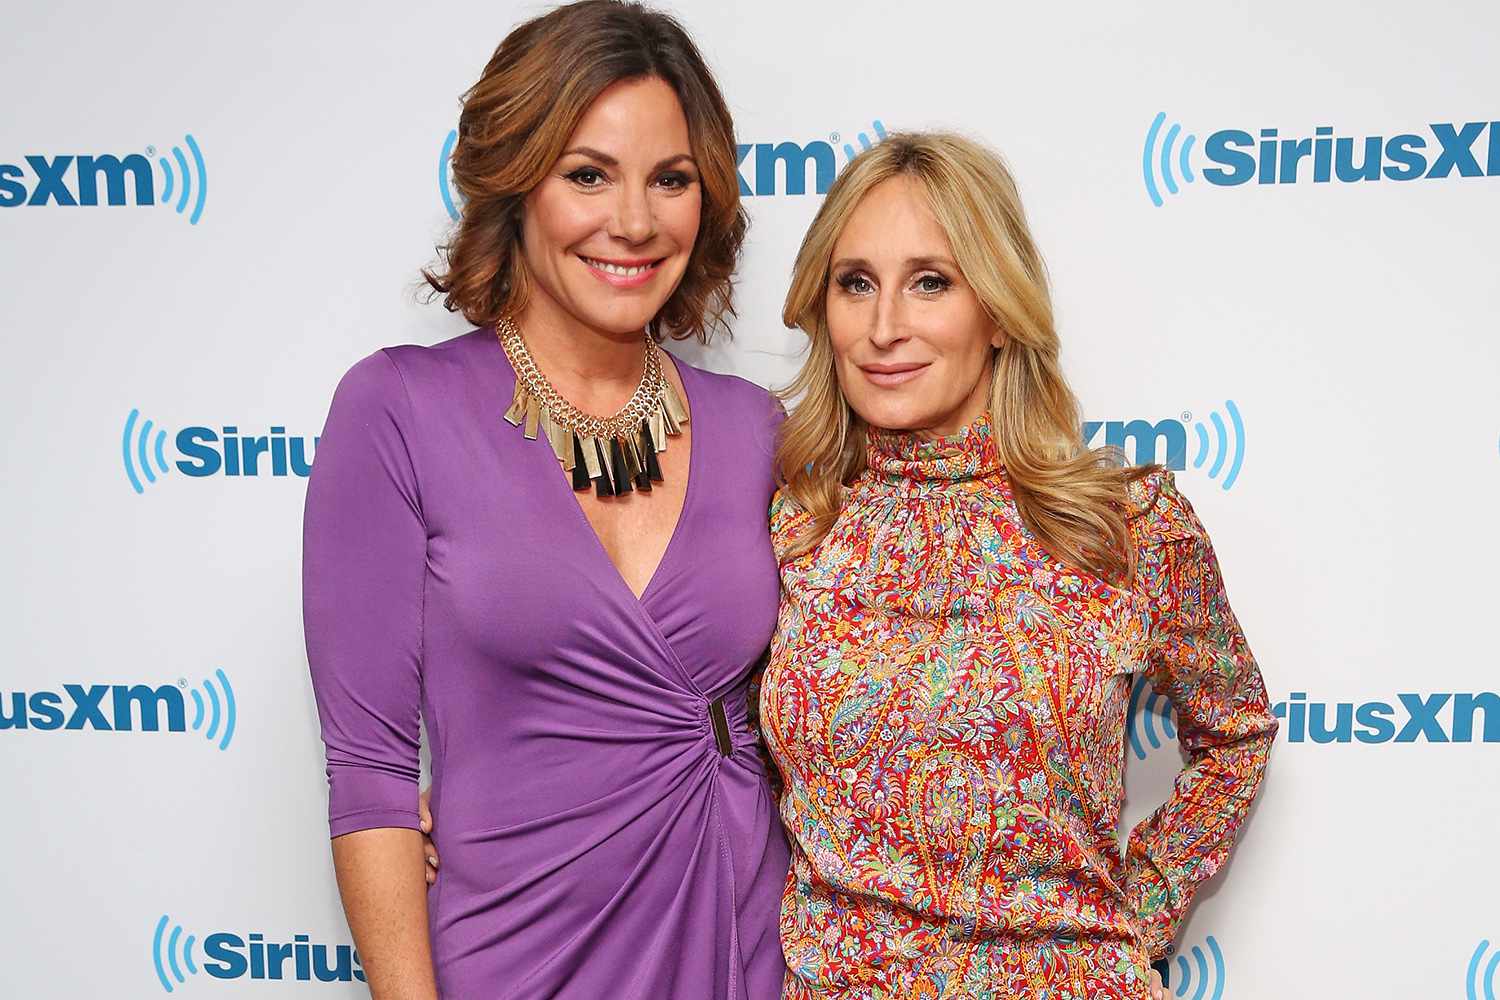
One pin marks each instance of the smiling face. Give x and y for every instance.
(606, 236)
(912, 345)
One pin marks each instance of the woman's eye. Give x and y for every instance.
(856, 284)
(931, 283)
(587, 177)
(675, 182)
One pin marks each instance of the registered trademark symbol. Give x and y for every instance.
(1187, 415)
(833, 137)
(182, 682)
(150, 150)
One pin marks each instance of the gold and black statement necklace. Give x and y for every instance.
(617, 454)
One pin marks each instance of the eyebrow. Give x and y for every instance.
(912, 263)
(610, 161)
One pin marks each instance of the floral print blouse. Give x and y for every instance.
(946, 705)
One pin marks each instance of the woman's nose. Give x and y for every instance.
(633, 219)
(888, 325)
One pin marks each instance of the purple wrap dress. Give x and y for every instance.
(599, 838)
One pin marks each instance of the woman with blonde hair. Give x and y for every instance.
(966, 593)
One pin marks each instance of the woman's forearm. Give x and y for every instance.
(380, 875)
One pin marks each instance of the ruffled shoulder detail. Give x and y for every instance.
(1162, 513)
(788, 521)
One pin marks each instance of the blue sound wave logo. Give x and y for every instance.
(220, 710)
(1482, 983)
(1161, 153)
(1220, 441)
(190, 183)
(1148, 713)
(445, 175)
(1204, 975)
(165, 951)
(139, 448)
(864, 141)
(1227, 440)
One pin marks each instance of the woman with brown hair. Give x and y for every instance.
(967, 591)
(571, 603)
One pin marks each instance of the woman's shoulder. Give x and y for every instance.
(721, 389)
(431, 365)
(745, 418)
(413, 373)
(1160, 511)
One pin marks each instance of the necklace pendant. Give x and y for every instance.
(533, 419)
(579, 467)
(517, 411)
(618, 454)
(652, 471)
(619, 467)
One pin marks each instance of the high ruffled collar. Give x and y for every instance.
(902, 455)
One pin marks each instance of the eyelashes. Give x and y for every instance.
(592, 177)
(850, 279)
(578, 176)
(856, 283)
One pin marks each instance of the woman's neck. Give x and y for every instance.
(595, 370)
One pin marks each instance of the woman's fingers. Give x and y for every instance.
(424, 820)
(1158, 991)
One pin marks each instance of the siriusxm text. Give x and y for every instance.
(207, 453)
(792, 159)
(1435, 717)
(109, 707)
(230, 956)
(76, 180)
(1445, 149)
(1142, 441)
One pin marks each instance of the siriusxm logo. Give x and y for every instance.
(1148, 711)
(794, 159)
(1481, 982)
(445, 174)
(121, 177)
(227, 955)
(1166, 441)
(206, 452)
(760, 158)
(1204, 976)
(1439, 717)
(124, 708)
(1440, 151)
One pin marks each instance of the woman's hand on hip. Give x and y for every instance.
(1158, 991)
(424, 814)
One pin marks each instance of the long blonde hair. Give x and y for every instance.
(1073, 499)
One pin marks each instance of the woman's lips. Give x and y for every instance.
(889, 376)
(622, 273)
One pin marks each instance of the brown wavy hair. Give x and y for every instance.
(1073, 498)
(515, 123)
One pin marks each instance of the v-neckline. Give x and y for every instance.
(571, 498)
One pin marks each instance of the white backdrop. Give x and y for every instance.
(1351, 326)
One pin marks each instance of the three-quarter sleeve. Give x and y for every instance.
(1198, 658)
(363, 572)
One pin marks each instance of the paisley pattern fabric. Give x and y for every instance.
(946, 704)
